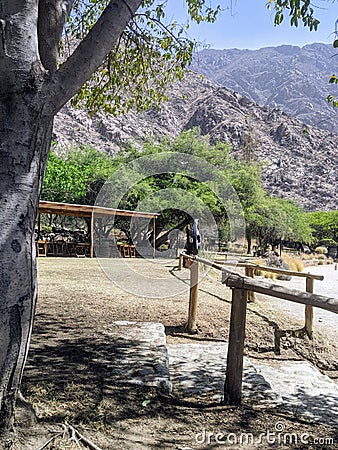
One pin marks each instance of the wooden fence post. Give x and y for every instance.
(180, 261)
(91, 244)
(309, 309)
(234, 369)
(250, 272)
(193, 297)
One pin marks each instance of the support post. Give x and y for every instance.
(180, 262)
(154, 236)
(193, 297)
(309, 309)
(250, 272)
(39, 227)
(91, 237)
(234, 369)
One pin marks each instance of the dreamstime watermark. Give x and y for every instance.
(279, 435)
(182, 194)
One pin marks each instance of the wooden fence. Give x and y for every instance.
(250, 269)
(241, 285)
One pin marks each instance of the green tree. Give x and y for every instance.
(324, 225)
(122, 56)
(64, 181)
(173, 208)
(76, 175)
(273, 219)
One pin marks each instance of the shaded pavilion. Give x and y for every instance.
(88, 211)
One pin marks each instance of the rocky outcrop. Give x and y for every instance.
(300, 161)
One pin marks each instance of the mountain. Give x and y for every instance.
(300, 162)
(293, 79)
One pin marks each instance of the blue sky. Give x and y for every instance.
(248, 24)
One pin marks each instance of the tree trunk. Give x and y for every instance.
(23, 152)
(248, 238)
(162, 239)
(32, 90)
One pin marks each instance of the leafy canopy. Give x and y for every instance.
(324, 225)
(78, 175)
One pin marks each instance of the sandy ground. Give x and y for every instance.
(67, 384)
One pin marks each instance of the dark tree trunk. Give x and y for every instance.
(248, 238)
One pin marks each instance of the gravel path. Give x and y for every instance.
(328, 287)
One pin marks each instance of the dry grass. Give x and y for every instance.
(295, 264)
(321, 250)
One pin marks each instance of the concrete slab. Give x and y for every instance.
(296, 387)
(139, 354)
(302, 389)
(199, 370)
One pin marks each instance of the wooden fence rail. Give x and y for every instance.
(250, 272)
(241, 285)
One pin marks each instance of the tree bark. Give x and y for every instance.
(23, 153)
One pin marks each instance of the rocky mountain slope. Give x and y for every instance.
(298, 165)
(294, 79)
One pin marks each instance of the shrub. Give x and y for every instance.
(263, 273)
(295, 264)
(321, 257)
(321, 250)
(308, 256)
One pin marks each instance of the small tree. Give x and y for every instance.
(324, 225)
(275, 218)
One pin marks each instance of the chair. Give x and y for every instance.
(41, 248)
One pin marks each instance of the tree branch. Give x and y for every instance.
(51, 20)
(89, 54)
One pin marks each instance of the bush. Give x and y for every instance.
(321, 257)
(278, 263)
(295, 264)
(308, 257)
(321, 250)
(269, 275)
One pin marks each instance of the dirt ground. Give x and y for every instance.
(68, 385)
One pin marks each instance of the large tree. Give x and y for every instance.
(33, 87)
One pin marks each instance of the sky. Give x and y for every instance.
(248, 24)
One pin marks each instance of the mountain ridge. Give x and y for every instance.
(291, 78)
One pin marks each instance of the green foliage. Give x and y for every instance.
(174, 186)
(333, 98)
(63, 181)
(299, 11)
(76, 175)
(151, 53)
(273, 218)
(324, 225)
(267, 218)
